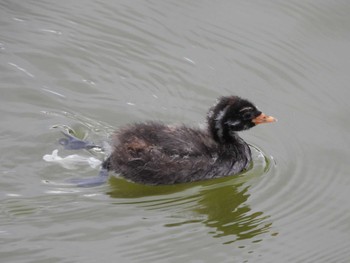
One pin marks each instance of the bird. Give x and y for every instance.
(155, 153)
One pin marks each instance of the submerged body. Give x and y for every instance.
(154, 153)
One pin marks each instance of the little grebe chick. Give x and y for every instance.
(155, 153)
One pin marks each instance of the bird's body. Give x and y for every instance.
(155, 153)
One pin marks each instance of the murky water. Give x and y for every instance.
(97, 65)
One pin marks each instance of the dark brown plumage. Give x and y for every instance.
(155, 153)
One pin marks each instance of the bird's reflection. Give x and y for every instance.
(220, 204)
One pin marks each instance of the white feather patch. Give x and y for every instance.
(218, 120)
(233, 123)
(246, 108)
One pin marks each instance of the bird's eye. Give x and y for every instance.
(247, 115)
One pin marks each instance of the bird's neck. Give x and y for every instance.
(224, 136)
(235, 148)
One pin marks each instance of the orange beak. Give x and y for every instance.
(262, 118)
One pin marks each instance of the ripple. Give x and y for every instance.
(21, 69)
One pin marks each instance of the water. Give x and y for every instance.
(97, 65)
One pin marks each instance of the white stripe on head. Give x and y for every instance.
(218, 120)
(233, 123)
(246, 108)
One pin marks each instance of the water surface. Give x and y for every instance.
(96, 65)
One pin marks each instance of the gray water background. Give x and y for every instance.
(96, 65)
